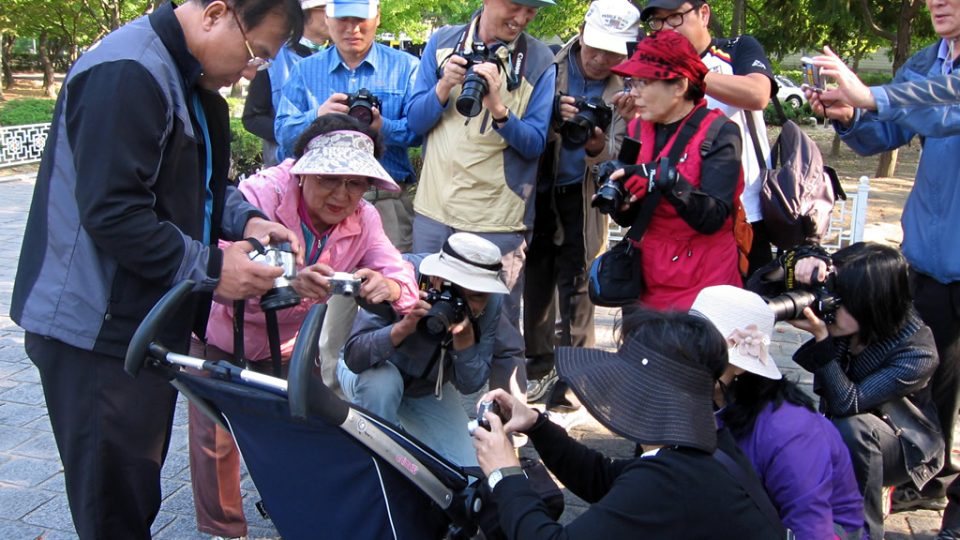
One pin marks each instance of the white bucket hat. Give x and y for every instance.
(745, 321)
(610, 24)
(343, 152)
(469, 261)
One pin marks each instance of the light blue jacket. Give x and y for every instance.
(931, 216)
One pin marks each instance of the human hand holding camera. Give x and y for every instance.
(491, 73)
(241, 278)
(313, 281)
(407, 325)
(454, 72)
(336, 103)
(642, 178)
(376, 288)
(494, 449)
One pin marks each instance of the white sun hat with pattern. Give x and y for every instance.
(341, 153)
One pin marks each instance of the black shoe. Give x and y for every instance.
(540, 366)
(562, 399)
(908, 498)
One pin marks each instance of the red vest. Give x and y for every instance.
(677, 260)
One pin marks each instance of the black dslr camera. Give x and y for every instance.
(821, 295)
(361, 105)
(447, 309)
(612, 193)
(470, 101)
(576, 131)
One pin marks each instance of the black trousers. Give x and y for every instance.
(556, 278)
(112, 432)
(939, 307)
(760, 250)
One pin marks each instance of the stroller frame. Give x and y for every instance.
(453, 490)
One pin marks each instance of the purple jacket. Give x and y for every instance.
(805, 468)
(356, 242)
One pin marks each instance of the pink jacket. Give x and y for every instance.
(356, 242)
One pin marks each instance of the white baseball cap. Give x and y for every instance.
(310, 4)
(610, 25)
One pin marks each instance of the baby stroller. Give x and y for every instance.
(324, 468)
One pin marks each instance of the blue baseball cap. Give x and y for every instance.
(361, 9)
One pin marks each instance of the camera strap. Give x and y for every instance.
(686, 132)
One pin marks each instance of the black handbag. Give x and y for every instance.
(616, 276)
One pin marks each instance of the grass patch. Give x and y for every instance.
(18, 112)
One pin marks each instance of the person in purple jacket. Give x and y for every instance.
(798, 454)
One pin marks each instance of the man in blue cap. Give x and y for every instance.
(480, 165)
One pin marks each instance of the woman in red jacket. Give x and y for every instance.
(689, 243)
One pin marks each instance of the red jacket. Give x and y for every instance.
(677, 260)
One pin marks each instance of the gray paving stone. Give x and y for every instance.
(29, 375)
(179, 528)
(27, 472)
(25, 393)
(54, 514)
(41, 446)
(56, 483)
(18, 502)
(17, 529)
(175, 464)
(162, 520)
(42, 423)
(18, 414)
(13, 436)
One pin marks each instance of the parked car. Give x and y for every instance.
(789, 92)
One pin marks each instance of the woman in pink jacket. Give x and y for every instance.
(320, 197)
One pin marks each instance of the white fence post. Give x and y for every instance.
(860, 209)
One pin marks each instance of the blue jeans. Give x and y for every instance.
(439, 423)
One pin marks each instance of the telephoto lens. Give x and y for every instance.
(789, 305)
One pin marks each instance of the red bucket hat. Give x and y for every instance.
(665, 55)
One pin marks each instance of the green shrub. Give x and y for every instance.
(246, 149)
(18, 112)
(797, 114)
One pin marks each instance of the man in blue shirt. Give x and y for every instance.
(929, 221)
(320, 84)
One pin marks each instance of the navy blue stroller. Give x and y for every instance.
(324, 468)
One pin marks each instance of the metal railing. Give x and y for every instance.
(20, 145)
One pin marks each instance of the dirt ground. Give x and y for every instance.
(887, 195)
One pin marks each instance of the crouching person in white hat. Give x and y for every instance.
(412, 370)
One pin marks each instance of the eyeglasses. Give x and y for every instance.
(631, 84)
(673, 20)
(255, 61)
(331, 183)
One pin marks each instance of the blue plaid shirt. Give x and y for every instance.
(388, 73)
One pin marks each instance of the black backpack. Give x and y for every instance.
(799, 191)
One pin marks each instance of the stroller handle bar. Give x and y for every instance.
(142, 345)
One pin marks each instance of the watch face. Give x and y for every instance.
(494, 478)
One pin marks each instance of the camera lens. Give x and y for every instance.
(789, 305)
(362, 111)
(576, 131)
(470, 100)
(439, 319)
(609, 197)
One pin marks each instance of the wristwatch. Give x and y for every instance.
(501, 121)
(499, 474)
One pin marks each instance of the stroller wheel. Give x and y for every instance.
(538, 389)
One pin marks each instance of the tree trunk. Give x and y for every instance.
(1, 63)
(738, 22)
(835, 145)
(43, 46)
(7, 46)
(236, 91)
(888, 164)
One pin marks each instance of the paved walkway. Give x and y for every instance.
(32, 499)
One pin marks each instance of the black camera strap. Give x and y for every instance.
(677, 150)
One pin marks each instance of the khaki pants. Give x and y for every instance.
(396, 212)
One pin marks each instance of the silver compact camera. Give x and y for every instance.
(344, 284)
(281, 295)
(482, 410)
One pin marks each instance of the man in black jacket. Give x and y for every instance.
(132, 196)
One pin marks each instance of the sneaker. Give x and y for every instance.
(908, 498)
(538, 389)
